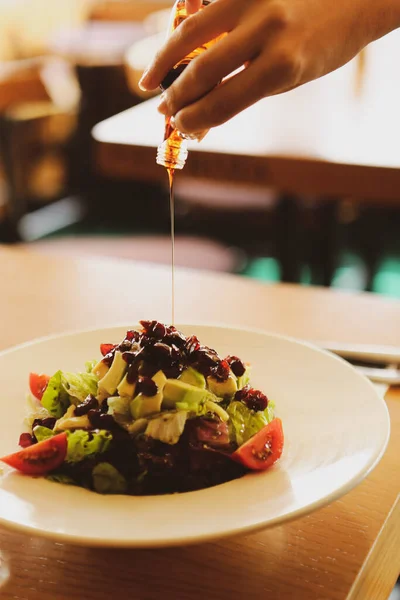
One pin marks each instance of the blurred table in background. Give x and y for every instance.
(335, 138)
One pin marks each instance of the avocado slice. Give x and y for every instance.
(142, 405)
(69, 421)
(109, 383)
(193, 377)
(100, 369)
(126, 389)
(244, 379)
(223, 389)
(176, 391)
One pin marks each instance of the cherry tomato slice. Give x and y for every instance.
(38, 384)
(106, 348)
(40, 458)
(263, 449)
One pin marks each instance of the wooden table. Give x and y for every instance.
(348, 550)
(336, 137)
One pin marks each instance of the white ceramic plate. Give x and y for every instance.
(336, 427)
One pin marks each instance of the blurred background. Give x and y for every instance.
(66, 66)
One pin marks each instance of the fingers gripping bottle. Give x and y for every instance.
(172, 153)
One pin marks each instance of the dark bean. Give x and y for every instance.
(162, 350)
(132, 373)
(154, 329)
(98, 420)
(146, 340)
(148, 369)
(236, 365)
(175, 337)
(108, 359)
(49, 422)
(90, 403)
(125, 346)
(192, 344)
(173, 371)
(146, 386)
(129, 357)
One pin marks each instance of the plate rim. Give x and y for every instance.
(110, 542)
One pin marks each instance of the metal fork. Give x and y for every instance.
(381, 364)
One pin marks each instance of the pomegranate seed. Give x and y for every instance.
(254, 399)
(132, 336)
(221, 371)
(26, 440)
(106, 348)
(154, 329)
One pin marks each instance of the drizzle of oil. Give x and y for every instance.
(172, 215)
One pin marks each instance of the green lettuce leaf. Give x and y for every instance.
(107, 480)
(42, 433)
(82, 444)
(90, 365)
(245, 423)
(197, 409)
(118, 405)
(55, 399)
(168, 427)
(79, 385)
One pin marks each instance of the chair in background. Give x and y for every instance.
(37, 116)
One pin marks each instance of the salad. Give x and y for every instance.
(159, 413)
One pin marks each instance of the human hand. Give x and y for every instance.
(192, 6)
(281, 44)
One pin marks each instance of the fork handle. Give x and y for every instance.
(381, 355)
(389, 376)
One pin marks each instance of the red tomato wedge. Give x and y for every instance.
(106, 348)
(40, 458)
(263, 449)
(38, 384)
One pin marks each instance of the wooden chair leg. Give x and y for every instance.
(289, 239)
(321, 240)
(329, 241)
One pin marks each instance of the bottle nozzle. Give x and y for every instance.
(173, 152)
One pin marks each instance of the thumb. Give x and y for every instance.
(192, 6)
